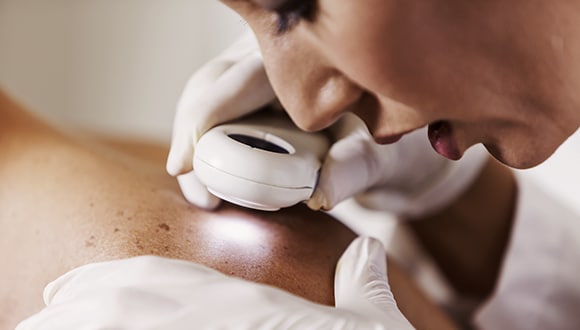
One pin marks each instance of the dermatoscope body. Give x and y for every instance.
(262, 161)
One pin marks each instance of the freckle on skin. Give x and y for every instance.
(120, 213)
(117, 230)
(138, 244)
(164, 226)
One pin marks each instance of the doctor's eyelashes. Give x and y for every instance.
(291, 12)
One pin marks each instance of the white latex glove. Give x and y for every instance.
(407, 178)
(156, 293)
(230, 86)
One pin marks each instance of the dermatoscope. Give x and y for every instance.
(262, 161)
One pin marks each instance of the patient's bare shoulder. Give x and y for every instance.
(65, 203)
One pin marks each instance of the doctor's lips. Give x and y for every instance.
(441, 138)
(387, 139)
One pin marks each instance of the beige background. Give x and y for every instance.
(112, 65)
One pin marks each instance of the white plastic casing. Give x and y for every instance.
(256, 178)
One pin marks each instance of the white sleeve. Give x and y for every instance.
(539, 284)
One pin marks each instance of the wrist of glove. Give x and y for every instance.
(406, 178)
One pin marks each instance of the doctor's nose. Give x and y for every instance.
(322, 102)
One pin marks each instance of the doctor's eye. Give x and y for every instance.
(291, 12)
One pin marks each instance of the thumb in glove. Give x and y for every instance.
(361, 284)
(351, 166)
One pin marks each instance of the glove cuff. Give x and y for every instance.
(446, 186)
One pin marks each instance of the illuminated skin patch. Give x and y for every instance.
(237, 231)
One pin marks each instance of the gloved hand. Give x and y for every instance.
(156, 293)
(230, 86)
(406, 178)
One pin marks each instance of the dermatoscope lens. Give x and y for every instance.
(258, 143)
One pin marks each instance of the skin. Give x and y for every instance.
(66, 202)
(504, 74)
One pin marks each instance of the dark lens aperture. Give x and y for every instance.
(258, 143)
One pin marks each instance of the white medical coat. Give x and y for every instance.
(539, 284)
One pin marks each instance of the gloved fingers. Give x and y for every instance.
(361, 284)
(350, 167)
(242, 89)
(198, 84)
(233, 84)
(223, 92)
(196, 193)
(210, 71)
(347, 125)
(361, 278)
(180, 159)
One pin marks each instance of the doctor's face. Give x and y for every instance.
(502, 73)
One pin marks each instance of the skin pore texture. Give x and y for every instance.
(501, 73)
(67, 202)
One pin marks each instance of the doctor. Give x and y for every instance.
(422, 76)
